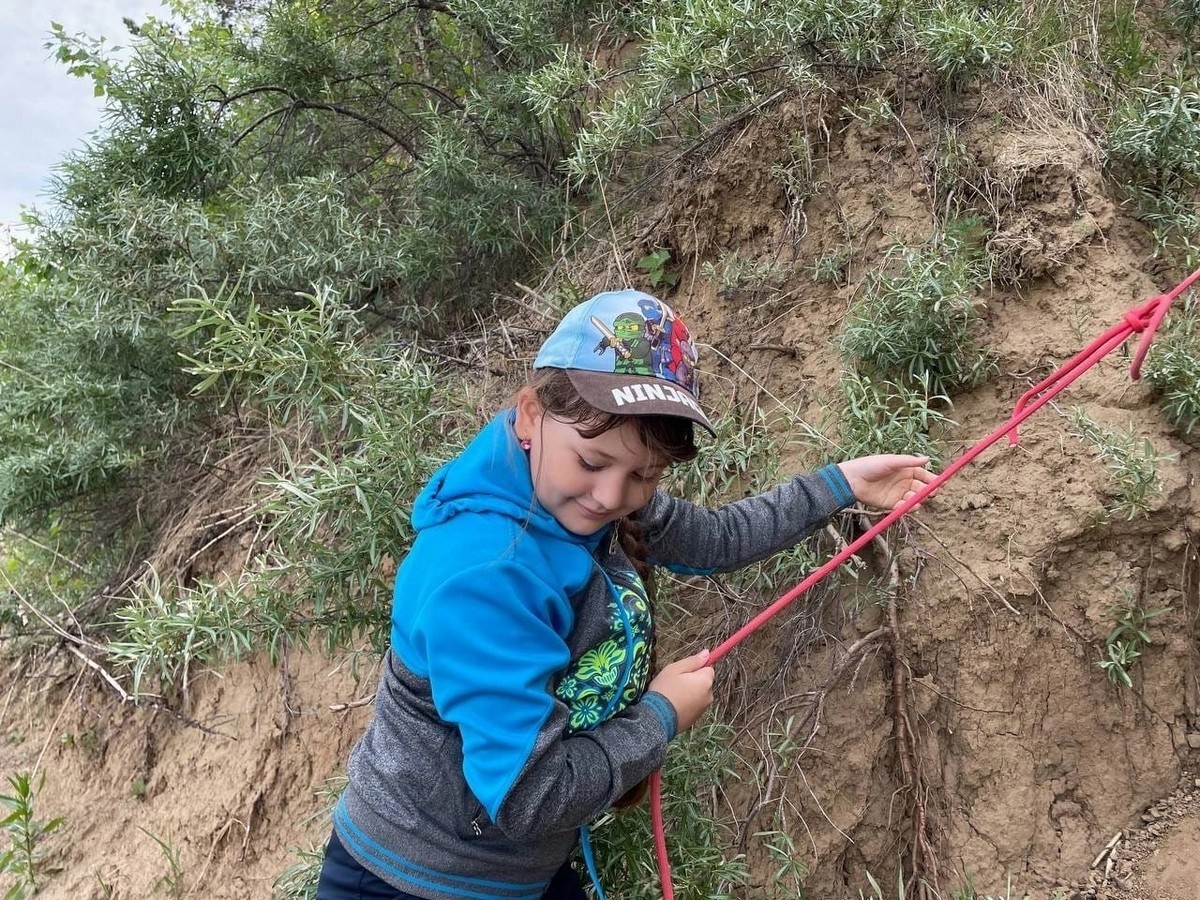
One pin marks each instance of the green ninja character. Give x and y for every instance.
(628, 340)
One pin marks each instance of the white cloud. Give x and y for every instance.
(44, 111)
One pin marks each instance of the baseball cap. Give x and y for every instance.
(627, 353)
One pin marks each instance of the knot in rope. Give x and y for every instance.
(1139, 319)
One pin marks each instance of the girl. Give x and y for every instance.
(518, 700)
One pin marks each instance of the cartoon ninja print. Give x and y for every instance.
(655, 342)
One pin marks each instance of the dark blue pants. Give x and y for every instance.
(342, 878)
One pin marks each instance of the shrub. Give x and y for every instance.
(360, 428)
(1132, 465)
(1154, 139)
(872, 416)
(964, 41)
(917, 321)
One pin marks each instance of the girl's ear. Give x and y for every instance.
(529, 414)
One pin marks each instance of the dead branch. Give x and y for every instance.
(352, 704)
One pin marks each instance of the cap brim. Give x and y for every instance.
(638, 395)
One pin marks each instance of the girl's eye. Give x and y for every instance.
(587, 466)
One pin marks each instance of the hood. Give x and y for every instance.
(491, 475)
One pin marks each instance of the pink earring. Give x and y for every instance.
(526, 444)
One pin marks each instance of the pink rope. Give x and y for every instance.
(1144, 319)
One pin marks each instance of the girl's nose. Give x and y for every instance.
(609, 492)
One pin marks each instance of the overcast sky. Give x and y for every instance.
(44, 111)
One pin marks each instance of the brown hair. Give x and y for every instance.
(669, 436)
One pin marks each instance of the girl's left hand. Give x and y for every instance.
(886, 480)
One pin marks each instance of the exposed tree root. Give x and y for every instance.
(803, 727)
(801, 732)
(923, 853)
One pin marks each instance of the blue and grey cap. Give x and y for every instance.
(627, 353)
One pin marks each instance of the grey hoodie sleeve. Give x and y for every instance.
(569, 781)
(695, 540)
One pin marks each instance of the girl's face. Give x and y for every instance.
(586, 483)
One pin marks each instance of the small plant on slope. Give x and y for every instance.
(1155, 139)
(1173, 365)
(879, 416)
(299, 880)
(173, 881)
(734, 272)
(917, 319)
(965, 40)
(1132, 465)
(26, 859)
(1128, 637)
(655, 266)
(1154, 149)
(1184, 16)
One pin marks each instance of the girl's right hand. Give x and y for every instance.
(687, 683)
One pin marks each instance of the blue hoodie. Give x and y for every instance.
(512, 708)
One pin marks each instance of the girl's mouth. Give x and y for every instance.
(591, 513)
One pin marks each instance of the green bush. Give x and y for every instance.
(916, 320)
(275, 149)
(85, 396)
(965, 41)
(360, 427)
(417, 161)
(871, 416)
(1154, 139)
(1132, 463)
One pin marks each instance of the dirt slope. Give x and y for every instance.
(1024, 761)
(1030, 758)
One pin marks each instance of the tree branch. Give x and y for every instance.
(300, 103)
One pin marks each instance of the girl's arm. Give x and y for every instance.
(693, 539)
